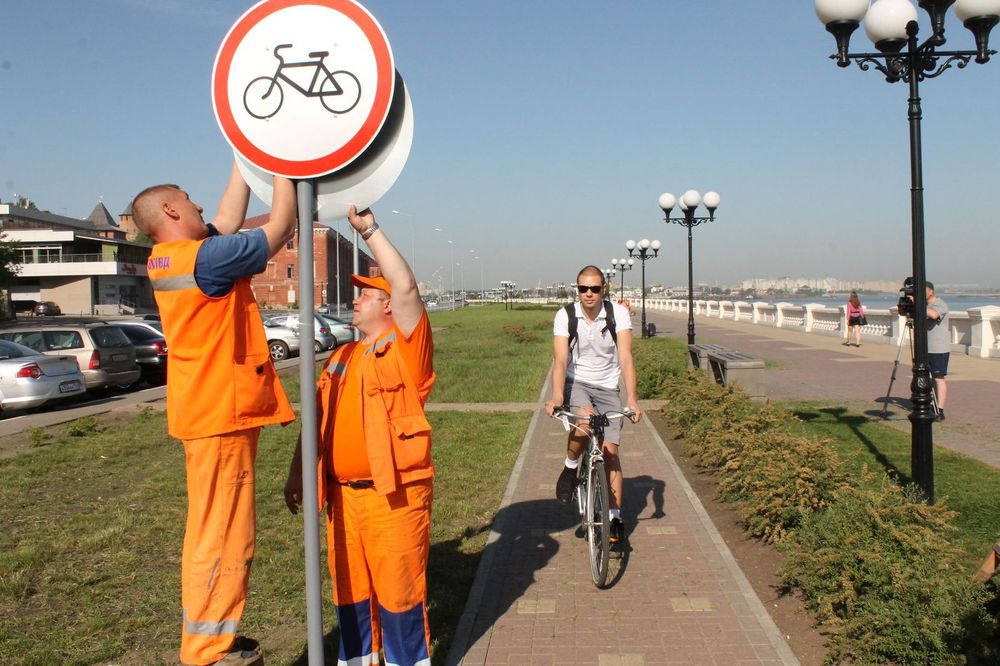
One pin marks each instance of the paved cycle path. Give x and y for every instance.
(807, 366)
(677, 594)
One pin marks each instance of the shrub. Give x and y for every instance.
(878, 568)
(520, 333)
(657, 360)
(39, 436)
(83, 427)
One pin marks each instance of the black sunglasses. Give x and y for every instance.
(594, 289)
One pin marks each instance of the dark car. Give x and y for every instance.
(46, 309)
(150, 351)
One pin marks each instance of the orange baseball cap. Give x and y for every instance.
(378, 282)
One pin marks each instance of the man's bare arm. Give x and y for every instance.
(560, 353)
(233, 205)
(280, 226)
(407, 307)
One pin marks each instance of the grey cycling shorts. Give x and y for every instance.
(602, 399)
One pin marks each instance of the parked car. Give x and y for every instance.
(324, 339)
(342, 329)
(29, 379)
(46, 309)
(282, 342)
(103, 352)
(150, 350)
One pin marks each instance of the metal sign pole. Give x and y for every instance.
(357, 260)
(307, 379)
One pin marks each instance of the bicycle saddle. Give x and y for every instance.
(319, 54)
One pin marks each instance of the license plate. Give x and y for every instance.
(69, 387)
(119, 357)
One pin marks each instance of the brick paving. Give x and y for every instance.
(677, 595)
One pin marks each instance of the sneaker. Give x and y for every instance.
(565, 485)
(940, 415)
(616, 532)
(245, 652)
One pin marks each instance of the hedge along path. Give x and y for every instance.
(876, 565)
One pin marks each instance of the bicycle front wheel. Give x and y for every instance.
(598, 522)
(340, 92)
(263, 97)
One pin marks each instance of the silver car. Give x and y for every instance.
(324, 339)
(282, 342)
(29, 379)
(341, 329)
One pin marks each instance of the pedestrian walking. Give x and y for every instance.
(855, 319)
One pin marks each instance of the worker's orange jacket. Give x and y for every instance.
(396, 434)
(220, 377)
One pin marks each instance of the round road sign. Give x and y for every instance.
(302, 87)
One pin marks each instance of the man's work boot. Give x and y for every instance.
(245, 652)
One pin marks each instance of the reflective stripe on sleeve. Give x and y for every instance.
(174, 283)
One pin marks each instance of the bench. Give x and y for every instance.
(733, 367)
(698, 354)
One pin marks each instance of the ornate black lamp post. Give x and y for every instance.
(643, 250)
(508, 289)
(609, 273)
(892, 26)
(688, 204)
(622, 265)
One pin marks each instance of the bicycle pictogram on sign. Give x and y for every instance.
(338, 91)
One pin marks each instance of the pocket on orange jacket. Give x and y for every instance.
(254, 382)
(413, 436)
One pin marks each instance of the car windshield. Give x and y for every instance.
(10, 350)
(109, 336)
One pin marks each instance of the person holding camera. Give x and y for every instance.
(938, 345)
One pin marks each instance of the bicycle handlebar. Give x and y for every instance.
(564, 412)
(278, 48)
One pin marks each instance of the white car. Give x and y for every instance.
(29, 379)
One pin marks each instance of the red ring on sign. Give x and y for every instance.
(349, 151)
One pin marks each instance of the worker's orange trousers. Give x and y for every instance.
(378, 547)
(218, 542)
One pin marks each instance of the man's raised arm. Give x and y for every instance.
(407, 308)
(233, 204)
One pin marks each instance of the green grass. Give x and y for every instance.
(964, 484)
(90, 557)
(477, 359)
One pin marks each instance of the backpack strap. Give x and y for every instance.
(571, 313)
(609, 319)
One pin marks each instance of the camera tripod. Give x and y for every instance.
(895, 367)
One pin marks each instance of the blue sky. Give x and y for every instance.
(544, 133)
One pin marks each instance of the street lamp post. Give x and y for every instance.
(622, 265)
(688, 204)
(892, 25)
(609, 273)
(643, 250)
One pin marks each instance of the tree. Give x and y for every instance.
(10, 263)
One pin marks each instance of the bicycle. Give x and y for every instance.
(591, 491)
(264, 95)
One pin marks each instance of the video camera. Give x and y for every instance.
(906, 295)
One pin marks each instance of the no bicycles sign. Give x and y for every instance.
(302, 87)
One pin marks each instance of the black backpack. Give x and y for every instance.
(609, 322)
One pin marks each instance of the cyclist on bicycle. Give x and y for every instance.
(593, 351)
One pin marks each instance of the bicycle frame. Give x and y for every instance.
(320, 66)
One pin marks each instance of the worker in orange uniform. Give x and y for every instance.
(221, 388)
(375, 470)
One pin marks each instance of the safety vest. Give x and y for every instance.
(220, 377)
(396, 433)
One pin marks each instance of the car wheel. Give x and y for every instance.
(317, 347)
(279, 350)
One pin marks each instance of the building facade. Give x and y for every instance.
(85, 266)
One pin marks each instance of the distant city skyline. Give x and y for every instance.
(545, 132)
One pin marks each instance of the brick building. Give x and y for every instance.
(278, 285)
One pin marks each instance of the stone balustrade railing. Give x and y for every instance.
(975, 332)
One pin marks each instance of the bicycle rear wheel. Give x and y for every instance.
(598, 522)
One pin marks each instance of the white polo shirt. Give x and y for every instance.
(594, 358)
